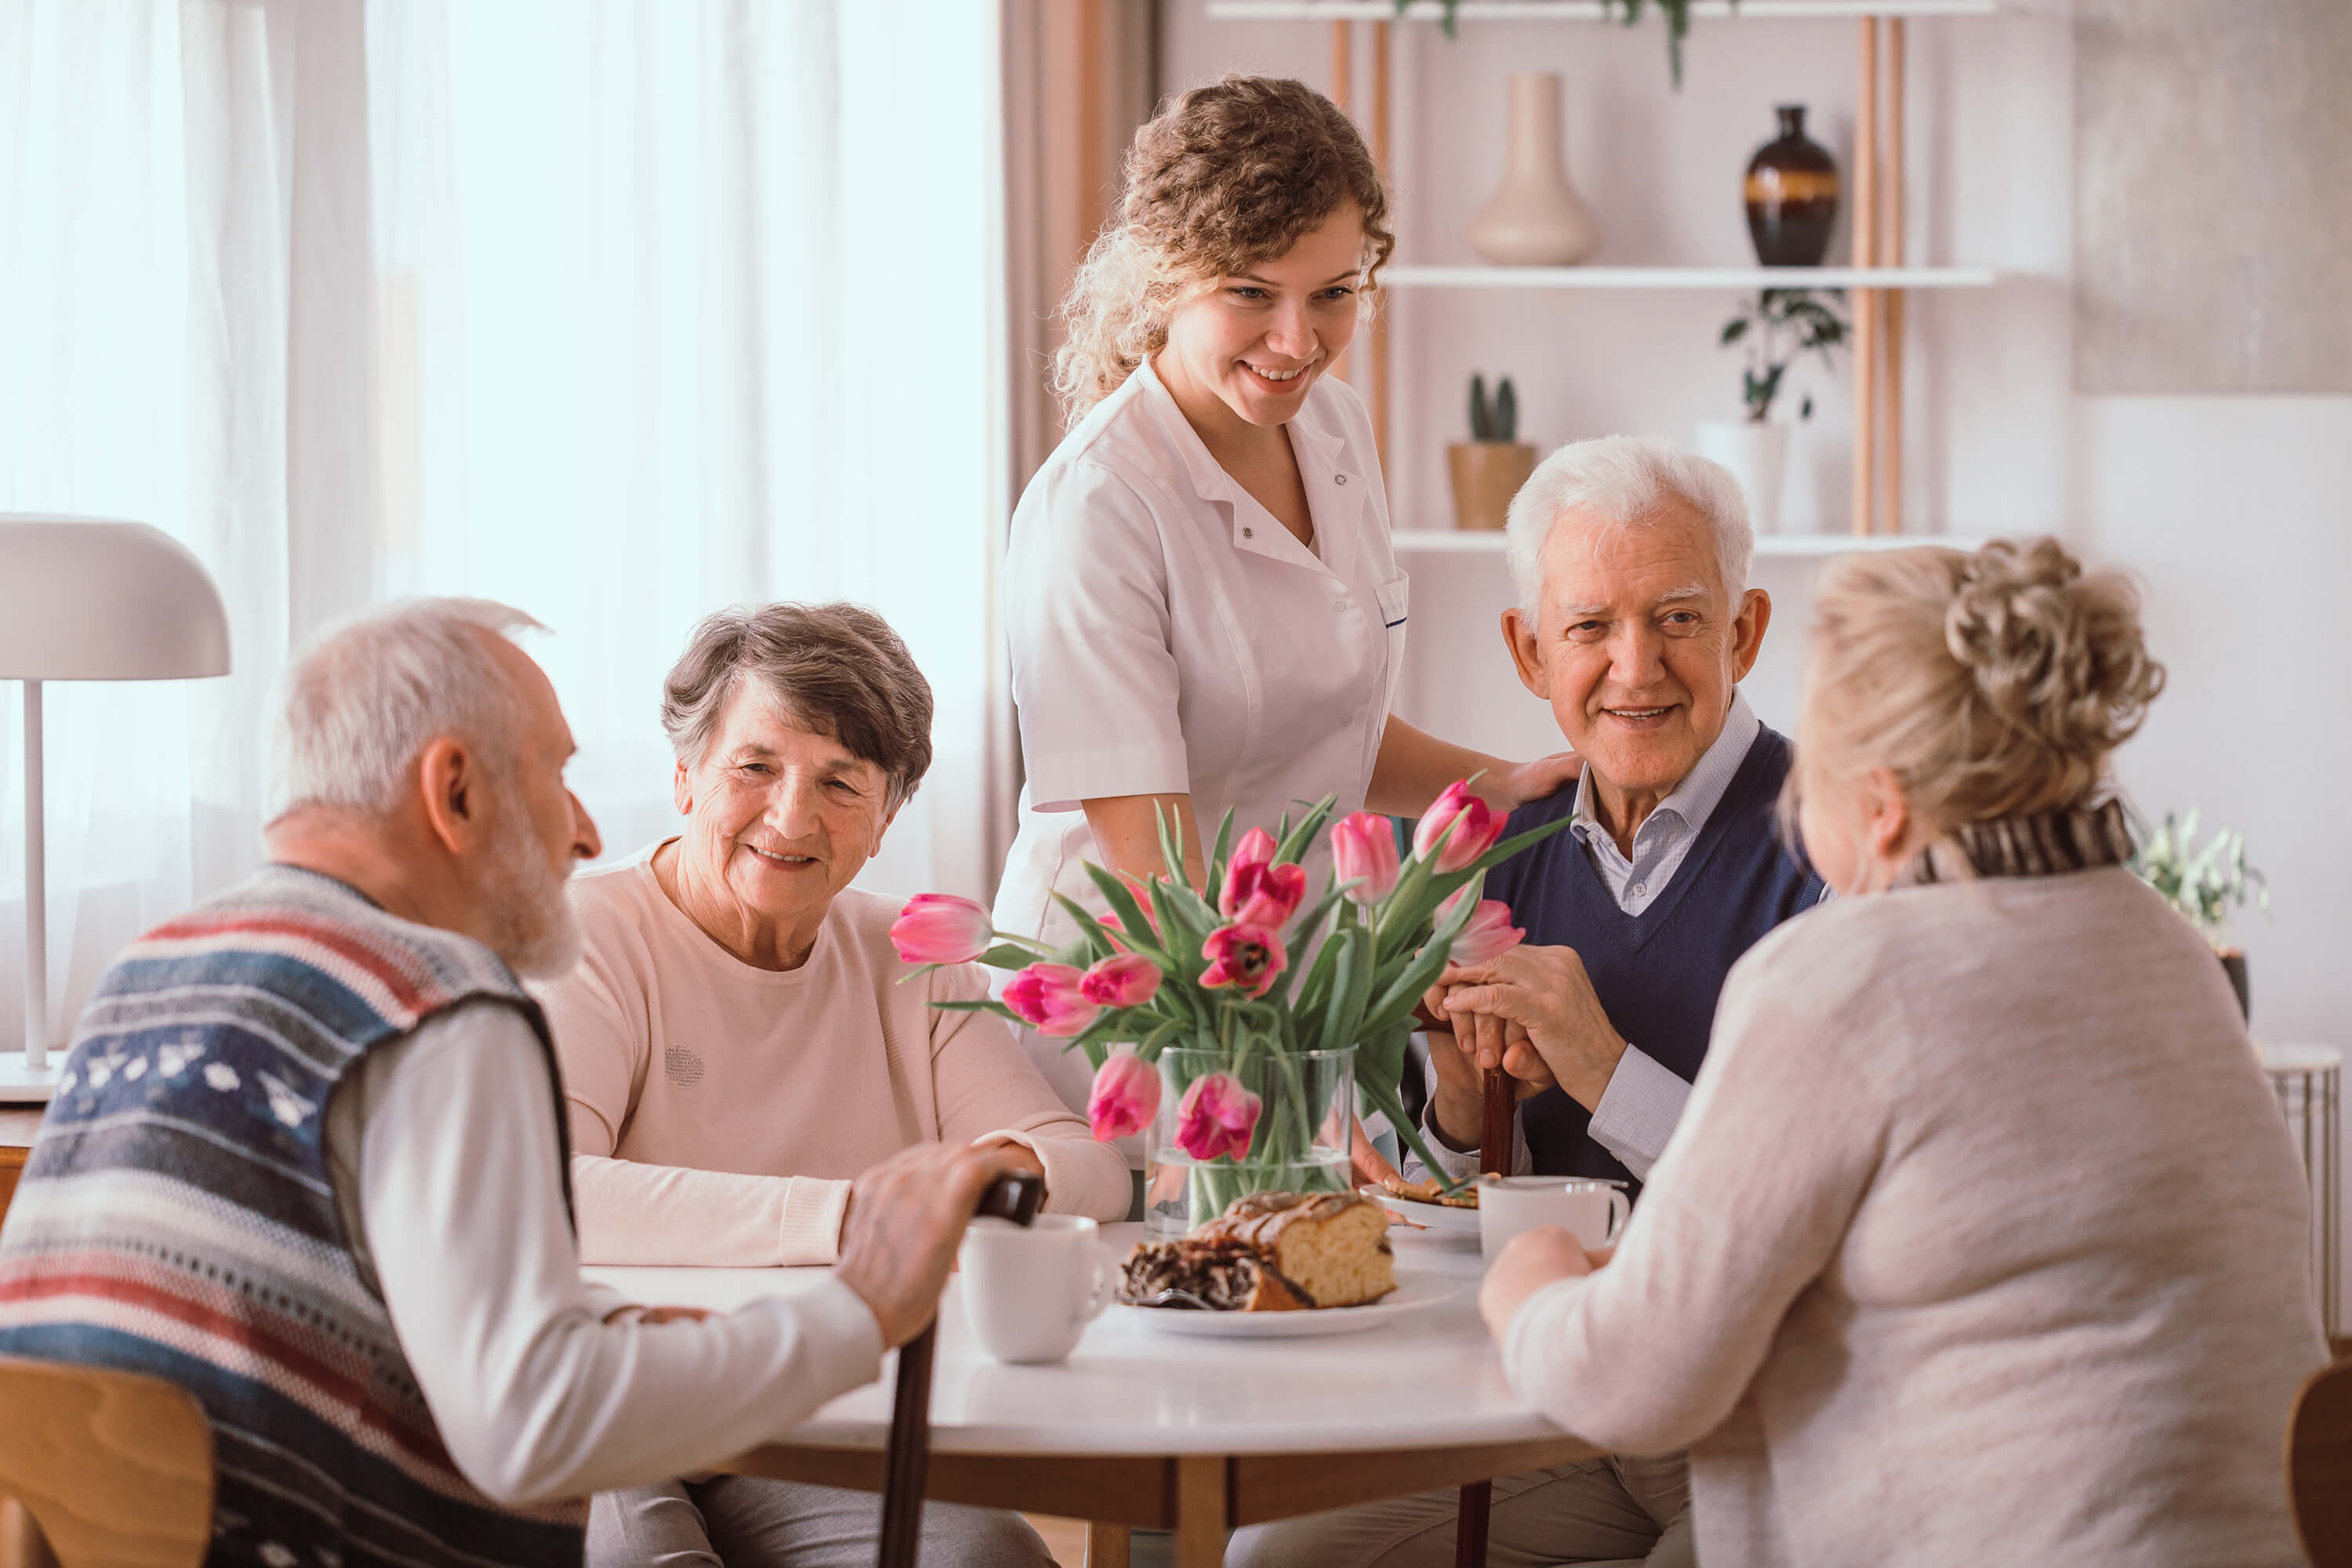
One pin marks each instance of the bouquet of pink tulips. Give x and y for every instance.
(1166, 968)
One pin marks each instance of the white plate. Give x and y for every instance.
(1413, 1292)
(1436, 1216)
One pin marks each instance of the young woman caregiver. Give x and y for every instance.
(1203, 608)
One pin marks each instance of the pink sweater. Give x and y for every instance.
(718, 1111)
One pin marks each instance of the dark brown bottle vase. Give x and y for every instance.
(1793, 195)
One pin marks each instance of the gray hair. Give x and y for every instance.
(1624, 481)
(376, 688)
(836, 668)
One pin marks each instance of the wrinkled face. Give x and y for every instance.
(537, 829)
(1260, 337)
(779, 816)
(1637, 645)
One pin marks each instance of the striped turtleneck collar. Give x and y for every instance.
(2050, 844)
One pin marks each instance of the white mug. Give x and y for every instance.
(1030, 1292)
(1594, 1211)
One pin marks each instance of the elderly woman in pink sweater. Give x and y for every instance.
(1981, 1240)
(737, 1047)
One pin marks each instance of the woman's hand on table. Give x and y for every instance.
(906, 1217)
(1534, 1259)
(1367, 1165)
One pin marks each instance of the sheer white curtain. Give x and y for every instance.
(622, 310)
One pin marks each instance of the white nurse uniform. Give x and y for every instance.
(1169, 635)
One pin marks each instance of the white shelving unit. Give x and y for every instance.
(1459, 541)
(1878, 277)
(1742, 278)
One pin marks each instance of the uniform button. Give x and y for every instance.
(1638, 890)
(1338, 478)
(1249, 533)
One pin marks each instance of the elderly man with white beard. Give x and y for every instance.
(306, 1157)
(1635, 623)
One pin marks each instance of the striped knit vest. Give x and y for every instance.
(175, 1218)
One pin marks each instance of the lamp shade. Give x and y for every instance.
(82, 599)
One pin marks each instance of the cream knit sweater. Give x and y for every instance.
(1980, 1241)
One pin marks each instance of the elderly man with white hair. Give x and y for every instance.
(306, 1157)
(1636, 624)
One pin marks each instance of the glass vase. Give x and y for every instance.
(1301, 1144)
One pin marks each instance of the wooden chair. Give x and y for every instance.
(2319, 1464)
(114, 1469)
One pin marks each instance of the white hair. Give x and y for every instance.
(1625, 482)
(375, 690)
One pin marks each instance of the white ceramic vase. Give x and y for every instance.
(1757, 453)
(1534, 218)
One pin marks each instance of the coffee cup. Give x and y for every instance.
(1593, 1211)
(1030, 1292)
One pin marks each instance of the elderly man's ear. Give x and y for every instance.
(1748, 631)
(449, 782)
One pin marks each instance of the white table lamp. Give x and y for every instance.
(86, 600)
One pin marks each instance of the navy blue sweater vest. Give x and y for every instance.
(1657, 973)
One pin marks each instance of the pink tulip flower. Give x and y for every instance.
(939, 928)
(1256, 848)
(1128, 980)
(1125, 1098)
(1047, 997)
(1364, 850)
(1457, 829)
(1488, 933)
(1268, 896)
(1247, 958)
(1216, 1116)
(1257, 892)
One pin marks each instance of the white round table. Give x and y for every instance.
(1144, 1428)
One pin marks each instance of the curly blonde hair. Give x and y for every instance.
(1224, 177)
(1991, 684)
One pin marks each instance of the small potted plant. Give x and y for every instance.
(1777, 327)
(1489, 467)
(2205, 885)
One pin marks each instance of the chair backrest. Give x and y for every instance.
(2319, 1464)
(116, 1468)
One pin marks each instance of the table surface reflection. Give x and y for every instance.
(1430, 1377)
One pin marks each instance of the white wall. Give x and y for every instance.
(2234, 511)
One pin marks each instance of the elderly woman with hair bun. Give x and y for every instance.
(1981, 1239)
(737, 1047)
(1203, 609)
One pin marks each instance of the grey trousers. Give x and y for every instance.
(1612, 1512)
(744, 1521)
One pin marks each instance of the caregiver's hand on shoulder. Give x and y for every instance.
(906, 1218)
(1546, 992)
(1513, 786)
(1534, 1259)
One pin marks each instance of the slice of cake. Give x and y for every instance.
(1219, 1276)
(1272, 1252)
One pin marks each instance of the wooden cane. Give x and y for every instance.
(907, 1465)
(1494, 1157)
